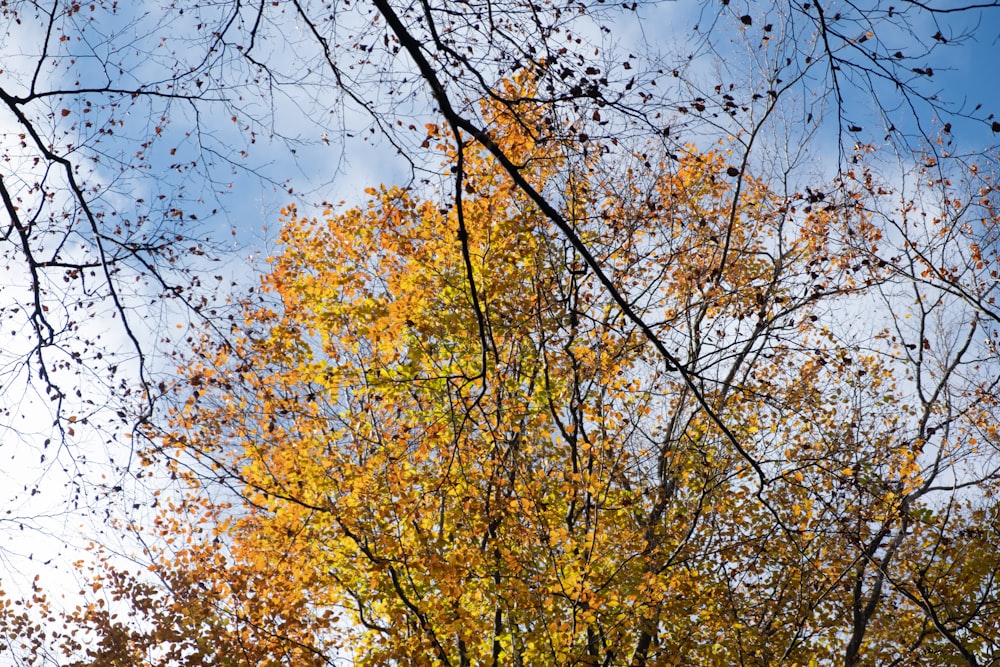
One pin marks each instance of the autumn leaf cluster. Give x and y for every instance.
(436, 438)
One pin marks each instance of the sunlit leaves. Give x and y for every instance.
(435, 439)
(516, 475)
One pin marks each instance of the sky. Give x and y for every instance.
(237, 157)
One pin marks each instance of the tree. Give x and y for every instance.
(436, 439)
(149, 115)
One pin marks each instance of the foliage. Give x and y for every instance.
(619, 380)
(440, 442)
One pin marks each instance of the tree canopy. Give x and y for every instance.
(615, 375)
(435, 439)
